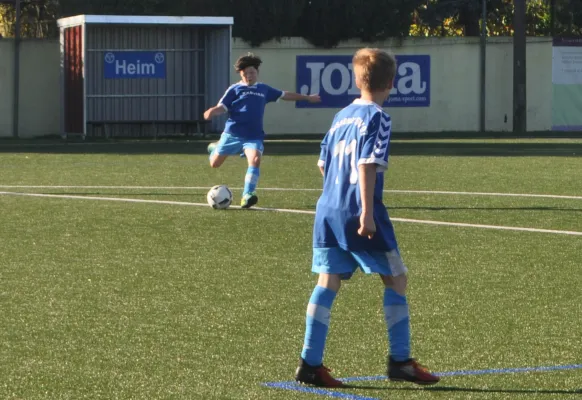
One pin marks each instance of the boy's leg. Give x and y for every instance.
(401, 367)
(397, 317)
(311, 369)
(333, 265)
(216, 160)
(226, 146)
(253, 151)
(318, 317)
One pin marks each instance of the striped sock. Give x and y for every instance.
(251, 179)
(317, 324)
(398, 323)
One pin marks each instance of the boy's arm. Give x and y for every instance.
(323, 155)
(214, 112)
(290, 96)
(367, 173)
(373, 159)
(223, 104)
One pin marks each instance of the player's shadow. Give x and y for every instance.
(293, 148)
(436, 208)
(484, 208)
(468, 149)
(467, 390)
(129, 193)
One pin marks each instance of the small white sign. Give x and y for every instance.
(567, 65)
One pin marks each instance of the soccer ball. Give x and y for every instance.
(219, 197)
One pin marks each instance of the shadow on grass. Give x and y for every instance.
(105, 194)
(421, 208)
(488, 208)
(290, 148)
(468, 390)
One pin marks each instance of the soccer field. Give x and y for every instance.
(117, 281)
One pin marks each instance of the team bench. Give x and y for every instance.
(155, 124)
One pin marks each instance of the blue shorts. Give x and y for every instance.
(335, 260)
(229, 145)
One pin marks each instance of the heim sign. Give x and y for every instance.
(134, 64)
(332, 77)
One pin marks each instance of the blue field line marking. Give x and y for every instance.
(312, 390)
(476, 372)
(291, 385)
(512, 370)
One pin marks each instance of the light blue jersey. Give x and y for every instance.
(360, 134)
(246, 107)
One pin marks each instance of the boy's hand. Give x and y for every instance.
(314, 98)
(207, 114)
(367, 226)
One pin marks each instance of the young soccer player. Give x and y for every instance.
(352, 229)
(245, 103)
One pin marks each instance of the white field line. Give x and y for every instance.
(284, 210)
(548, 196)
(120, 199)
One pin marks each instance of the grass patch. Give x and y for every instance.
(106, 300)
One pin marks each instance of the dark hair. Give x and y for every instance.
(250, 60)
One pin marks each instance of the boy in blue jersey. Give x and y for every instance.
(352, 229)
(245, 103)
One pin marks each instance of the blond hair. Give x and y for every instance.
(375, 69)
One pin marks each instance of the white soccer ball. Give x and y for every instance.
(219, 197)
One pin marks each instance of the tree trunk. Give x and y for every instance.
(469, 19)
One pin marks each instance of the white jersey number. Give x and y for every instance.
(342, 150)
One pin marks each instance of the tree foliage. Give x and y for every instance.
(327, 22)
(464, 18)
(569, 17)
(324, 23)
(37, 18)
(261, 20)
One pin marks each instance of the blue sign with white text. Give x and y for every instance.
(332, 77)
(134, 64)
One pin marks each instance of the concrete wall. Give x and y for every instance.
(40, 106)
(6, 86)
(500, 85)
(454, 85)
(455, 96)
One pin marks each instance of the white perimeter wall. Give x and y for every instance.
(454, 85)
(455, 96)
(39, 111)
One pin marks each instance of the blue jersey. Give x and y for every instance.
(360, 134)
(246, 107)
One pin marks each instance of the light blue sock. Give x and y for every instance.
(398, 323)
(251, 180)
(317, 324)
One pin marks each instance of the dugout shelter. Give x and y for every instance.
(142, 76)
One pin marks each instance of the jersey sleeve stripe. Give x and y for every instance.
(220, 102)
(283, 93)
(383, 137)
(381, 164)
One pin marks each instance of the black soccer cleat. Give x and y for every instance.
(249, 200)
(410, 371)
(316, 376)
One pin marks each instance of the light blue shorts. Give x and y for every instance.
(335, 260)
(229, 145)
